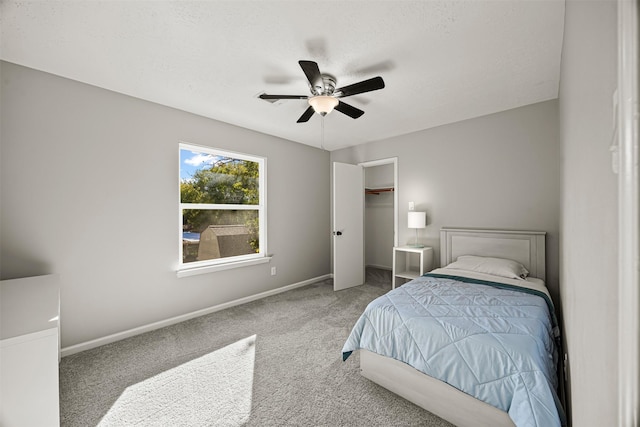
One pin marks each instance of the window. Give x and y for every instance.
(222, 207)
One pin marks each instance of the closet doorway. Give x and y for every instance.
(380, 212)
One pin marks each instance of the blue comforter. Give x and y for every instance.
(485, 339)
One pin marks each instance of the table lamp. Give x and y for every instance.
(417, 220)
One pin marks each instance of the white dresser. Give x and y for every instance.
(29, 351)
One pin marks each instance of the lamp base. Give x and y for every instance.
(416, 244)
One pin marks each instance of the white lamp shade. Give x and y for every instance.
(323, 104)
(417, 219)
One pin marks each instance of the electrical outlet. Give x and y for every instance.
(412, 206)
(614, 148)
(273, 271)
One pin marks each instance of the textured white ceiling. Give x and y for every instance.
(442, 61)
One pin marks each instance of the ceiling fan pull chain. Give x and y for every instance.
(322, 132)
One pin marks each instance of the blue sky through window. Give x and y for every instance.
(191, 161)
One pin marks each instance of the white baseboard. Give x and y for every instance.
(67, 351)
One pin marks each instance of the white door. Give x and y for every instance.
(348, 226)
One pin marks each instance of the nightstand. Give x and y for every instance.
(404, 268)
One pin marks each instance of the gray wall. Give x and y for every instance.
(89, 190)
(496, 171)
(588, 255)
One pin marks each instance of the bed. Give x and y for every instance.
(481, 347)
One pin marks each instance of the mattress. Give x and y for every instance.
(492, 338)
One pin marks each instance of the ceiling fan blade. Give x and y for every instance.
(265, 96)
(312, 72)
(349, 110)
(374, 83)
(306, 115)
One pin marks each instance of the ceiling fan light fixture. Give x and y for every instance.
(324, 95)
(323, 104)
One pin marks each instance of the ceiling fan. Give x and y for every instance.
(324, 95)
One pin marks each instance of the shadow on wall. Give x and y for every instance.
(20, 265)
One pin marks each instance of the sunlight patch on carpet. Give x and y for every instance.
(213, 389)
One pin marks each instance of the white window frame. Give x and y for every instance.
(206, 266)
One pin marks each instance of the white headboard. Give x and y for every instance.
(526, 247)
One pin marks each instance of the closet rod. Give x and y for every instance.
(377, 191)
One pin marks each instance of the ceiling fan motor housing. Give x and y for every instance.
(329, 83)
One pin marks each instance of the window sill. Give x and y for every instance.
(219, 267)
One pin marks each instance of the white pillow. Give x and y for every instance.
(496, 266)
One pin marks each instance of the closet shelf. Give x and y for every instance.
(377, 191)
